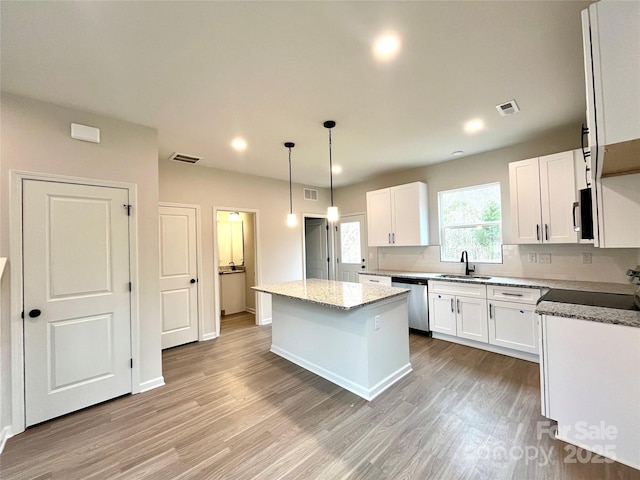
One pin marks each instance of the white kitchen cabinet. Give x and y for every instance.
(397, 216)
(542, 194)
(590, 379)
(374, 279)
(513, 322)
(232, 293)
(458, 309)
(612, 71)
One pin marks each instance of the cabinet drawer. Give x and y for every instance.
(374, 279)
(458, 288)
(513, 294)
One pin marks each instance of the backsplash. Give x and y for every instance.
(607, 265)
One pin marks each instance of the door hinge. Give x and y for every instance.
(130, 287)
(336, 228)
(328, 259)
(22, 314)
(131, 363)
(128, 207)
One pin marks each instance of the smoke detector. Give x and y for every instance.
(181, 157)
(508, 108)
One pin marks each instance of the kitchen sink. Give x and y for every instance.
(464, 277)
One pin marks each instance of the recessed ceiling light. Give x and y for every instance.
(474, 126)
(239, 144)
(336, 169)
(457, 152)
(386, 47)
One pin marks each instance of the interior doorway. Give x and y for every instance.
(236, 263)
(317, 248)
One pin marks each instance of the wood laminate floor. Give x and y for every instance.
(233, 410)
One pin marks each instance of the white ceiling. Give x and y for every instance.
(203, 73)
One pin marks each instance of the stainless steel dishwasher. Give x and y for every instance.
(418, 301)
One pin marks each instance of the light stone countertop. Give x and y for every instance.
(334, 294)
(583, 312)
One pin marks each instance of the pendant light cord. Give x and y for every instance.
(330, 169)
(290, 194)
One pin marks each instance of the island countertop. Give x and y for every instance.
(331, 293)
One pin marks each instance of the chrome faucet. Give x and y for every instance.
(465, 260)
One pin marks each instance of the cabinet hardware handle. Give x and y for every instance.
(374, 281)
(452, 305)
(389, 239)
(576, 228)
(585, 154)
(546, 231)
(490, 314)
(512, 294)
(458, 305)
(537, 232)
(393, 237)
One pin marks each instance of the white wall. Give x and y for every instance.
(607, 265)
(36, 138)
(280, 247)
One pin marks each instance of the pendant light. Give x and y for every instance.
(332, 211)
(291, 217)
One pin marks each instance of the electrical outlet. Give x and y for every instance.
(376, 322)
(586, 258)
(544, 258)
(533, 258)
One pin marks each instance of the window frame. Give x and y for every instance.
(442, 227)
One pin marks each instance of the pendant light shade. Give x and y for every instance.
(292, 221)
(332, 211)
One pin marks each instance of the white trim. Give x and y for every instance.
(266, 321)
(250, 310)
(151, 384)
(258, 257)
(488, 347)
(5, 435)
(199, 271)
(209, 336)
(16, 178)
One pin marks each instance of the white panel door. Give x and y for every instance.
(557, 193)
(351, 247)
(524, 193)
(178, 275)
(407, 205)
(472, 318)
(513, 325)
(316, 248)
(77, 325)
(442, 313)
(379, 218)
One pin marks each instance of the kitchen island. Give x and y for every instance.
(354, 335)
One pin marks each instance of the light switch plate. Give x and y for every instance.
(586, 258)
(544, 258)
(533, 258)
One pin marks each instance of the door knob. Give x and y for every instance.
(34, 313)
(193, 280)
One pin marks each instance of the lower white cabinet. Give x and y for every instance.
(590, 384)
(459, 309)
(232, 293)
(496, 318)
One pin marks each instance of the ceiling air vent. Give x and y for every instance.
(508, 108)
(181, 157)
(311, 194)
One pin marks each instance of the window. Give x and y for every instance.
(470, 219)
(350, 242)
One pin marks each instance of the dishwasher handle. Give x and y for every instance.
(409, 281)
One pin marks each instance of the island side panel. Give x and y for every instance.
(389, 358)
(326, 341)
(343, 346)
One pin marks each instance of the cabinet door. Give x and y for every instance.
(379, 218)
(524, 193)
(442, 314)
(409, 217)
(513, 325)
(558, 193)
(472, 318)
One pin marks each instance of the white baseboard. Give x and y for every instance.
(209, 336)
(5, 435)
(251, 310)
(151, 384)
(265, 321)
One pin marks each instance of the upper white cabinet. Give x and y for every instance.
(397, 216)
(543, 193)
(612, 71)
